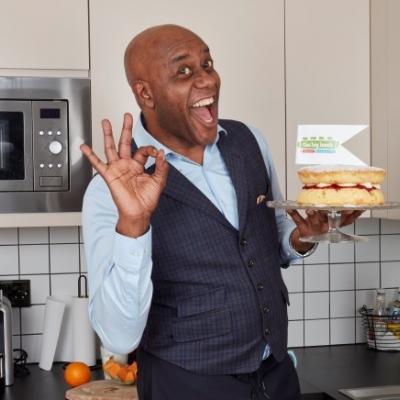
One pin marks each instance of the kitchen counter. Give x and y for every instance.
(321, 370)
(331, 368)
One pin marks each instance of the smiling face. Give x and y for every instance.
(179, 96)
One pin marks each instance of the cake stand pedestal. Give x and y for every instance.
(334, 234)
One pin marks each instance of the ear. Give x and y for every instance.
(143, 94)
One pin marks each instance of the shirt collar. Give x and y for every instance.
(144, 138)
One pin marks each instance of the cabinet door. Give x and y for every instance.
(247, 43)
(44, 34)
(327, 71)
(385, 95)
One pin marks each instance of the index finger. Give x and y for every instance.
(97, 164)
(125, 141)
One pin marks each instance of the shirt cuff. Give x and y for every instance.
(301, 255)
(130, 251)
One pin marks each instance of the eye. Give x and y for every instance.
(184, 71)
(208, 64)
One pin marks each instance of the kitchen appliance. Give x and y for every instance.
(2, 379)
(6, 340)
(43, 121)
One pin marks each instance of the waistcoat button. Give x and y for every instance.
(260, 286)
(243, 242)
(265, 309)
(267, 331)
(251, 263)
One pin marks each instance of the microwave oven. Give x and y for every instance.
(43, 121)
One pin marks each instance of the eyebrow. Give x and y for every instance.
(182, 57)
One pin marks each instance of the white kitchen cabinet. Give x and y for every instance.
(327, 72)
(247, 43)
(385, 95)
(44, 34)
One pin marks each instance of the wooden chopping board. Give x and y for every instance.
(102, 390)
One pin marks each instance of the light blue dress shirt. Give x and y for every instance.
(119, 267)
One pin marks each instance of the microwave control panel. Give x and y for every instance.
(50, 145)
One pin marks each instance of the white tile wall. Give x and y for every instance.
(52, 259)
(9, 260)
(326, 292)
(316, 277)
(316, 332)
(342, 276)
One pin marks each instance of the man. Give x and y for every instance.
(183, 255)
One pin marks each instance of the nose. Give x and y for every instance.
(206, 79)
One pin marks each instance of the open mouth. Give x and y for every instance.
(205, 110)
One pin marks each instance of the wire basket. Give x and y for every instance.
(382, 332)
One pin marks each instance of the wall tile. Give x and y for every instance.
(320, 256)
(342, 304)
(33, 235)
(317, 332)
(295, 310)
(360, 331)
(84, 265)
(369, 250)
(40, 287)
(348, 229)
(296, 334)
(390, 274)
(390, 226)
(365, 297)
(34, 259)
(8, 236)
(343, 330)
(367, 226)
(16, 326)
(64, 234)
(8, 260)
(316, 277)
(32, 319)
(316, 305)
(31, 344)
(390, 250)
(367, 275)
(64, 258)
(64, 284)
(342, 276)
(341, 252)
(80, 235)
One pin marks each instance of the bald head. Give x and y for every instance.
(146, 48)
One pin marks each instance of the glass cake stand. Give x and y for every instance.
(334, 234)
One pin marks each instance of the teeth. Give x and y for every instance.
(204, 102)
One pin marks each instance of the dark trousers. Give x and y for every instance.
(160, 380)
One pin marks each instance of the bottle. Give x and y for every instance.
(394, 310)
(380, 309)
(380, 312)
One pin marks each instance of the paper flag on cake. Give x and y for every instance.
(323, 144)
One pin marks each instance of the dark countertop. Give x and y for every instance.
(330, 368)
(320, 369)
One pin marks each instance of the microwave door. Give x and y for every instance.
(16, 146)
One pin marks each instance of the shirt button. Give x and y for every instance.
(243, 242)
(251, 263)
(265, 309)
(260, 286)
(267, 332)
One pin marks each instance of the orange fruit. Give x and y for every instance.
(77, 373)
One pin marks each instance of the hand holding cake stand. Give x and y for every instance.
(334, 215)
(335, 189)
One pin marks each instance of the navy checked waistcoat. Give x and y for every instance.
(218, 293)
